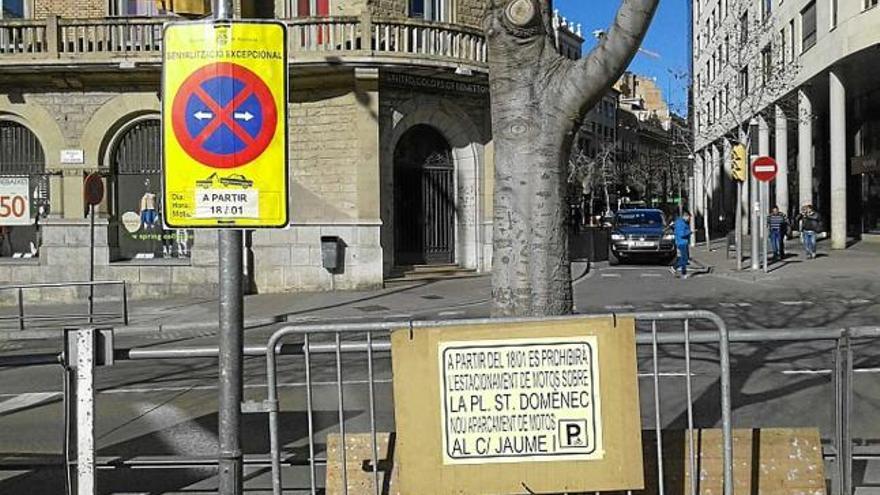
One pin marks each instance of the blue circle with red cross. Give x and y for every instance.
(224, 115)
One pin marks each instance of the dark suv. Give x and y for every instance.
(640, 233)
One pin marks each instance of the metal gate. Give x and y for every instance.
(424, 198)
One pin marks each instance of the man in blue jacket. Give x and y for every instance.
(682, 242)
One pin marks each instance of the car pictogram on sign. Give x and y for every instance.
(224, 115)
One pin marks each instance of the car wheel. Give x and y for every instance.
(613, 259)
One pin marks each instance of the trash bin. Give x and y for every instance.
(333, 253)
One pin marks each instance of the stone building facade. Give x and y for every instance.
(390, 146)
(803, 79)
(374, 120)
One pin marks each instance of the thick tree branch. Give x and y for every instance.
(593, 74)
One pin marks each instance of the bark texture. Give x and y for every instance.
(538, 101)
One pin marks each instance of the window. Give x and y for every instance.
(727, 48)
(744, 82)
(767, 8)
(791, 38)
(744, 29)
(766, 64)
(808, 27)
(833, 15)
(23, 175)
(431, 10)
(133, 8)
(871, 4)
(312, 8)
(783, 49)
(13, 9)
(136, 198)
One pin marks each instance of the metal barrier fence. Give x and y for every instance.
(341, 343)
(89, 315)
(686, 329)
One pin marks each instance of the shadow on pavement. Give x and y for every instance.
(182, 439)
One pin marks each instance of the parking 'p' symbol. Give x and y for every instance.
(573, 433)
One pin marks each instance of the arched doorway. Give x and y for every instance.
(24, 185)
(424, 199)
(137, 209)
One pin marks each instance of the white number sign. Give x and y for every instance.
(15, 201)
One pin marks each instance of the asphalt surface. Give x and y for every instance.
(147, 410)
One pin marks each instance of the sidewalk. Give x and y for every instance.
(859, 259)
(418, 299)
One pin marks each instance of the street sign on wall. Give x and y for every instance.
(15, 201)
(224, 117)
(764, 168)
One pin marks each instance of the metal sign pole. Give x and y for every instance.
(755, 207)
(765, 232)
(739, 225)
(231, 342)
(91, 263)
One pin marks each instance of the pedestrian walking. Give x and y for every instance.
(778, 225)
(810, 224)
(682, 233)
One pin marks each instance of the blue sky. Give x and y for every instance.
(667, 38)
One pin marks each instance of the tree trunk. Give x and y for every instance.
(538, 100)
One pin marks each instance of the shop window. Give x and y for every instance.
(24, 191)
(13, 9)
(137, 231)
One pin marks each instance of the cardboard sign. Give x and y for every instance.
(224, 118)
(552, 406)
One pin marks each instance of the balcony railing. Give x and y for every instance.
(311, 40)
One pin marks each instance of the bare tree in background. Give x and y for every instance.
(594, 172)
(538, 100)
(752, 69)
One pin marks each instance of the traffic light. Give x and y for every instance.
(739, 163)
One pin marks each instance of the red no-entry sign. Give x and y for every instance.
(764, 168)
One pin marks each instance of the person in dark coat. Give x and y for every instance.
(810, 225)
(778, 225)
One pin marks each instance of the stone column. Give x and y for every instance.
(763, 137)
(837, 116)
(782, 160)
(717, 191)
(805, 149)
(697, 199)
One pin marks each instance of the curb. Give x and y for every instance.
(158, 329)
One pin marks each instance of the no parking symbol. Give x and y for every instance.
(224, 115)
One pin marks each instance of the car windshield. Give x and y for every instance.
(639, 219)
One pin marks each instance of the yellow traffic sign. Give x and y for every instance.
(224, 125)
(739, 165)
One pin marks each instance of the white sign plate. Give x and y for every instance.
(521, 400)
(15, 201)
(72, 157)
(225, 203)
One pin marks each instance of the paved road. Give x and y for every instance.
(157, 408)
